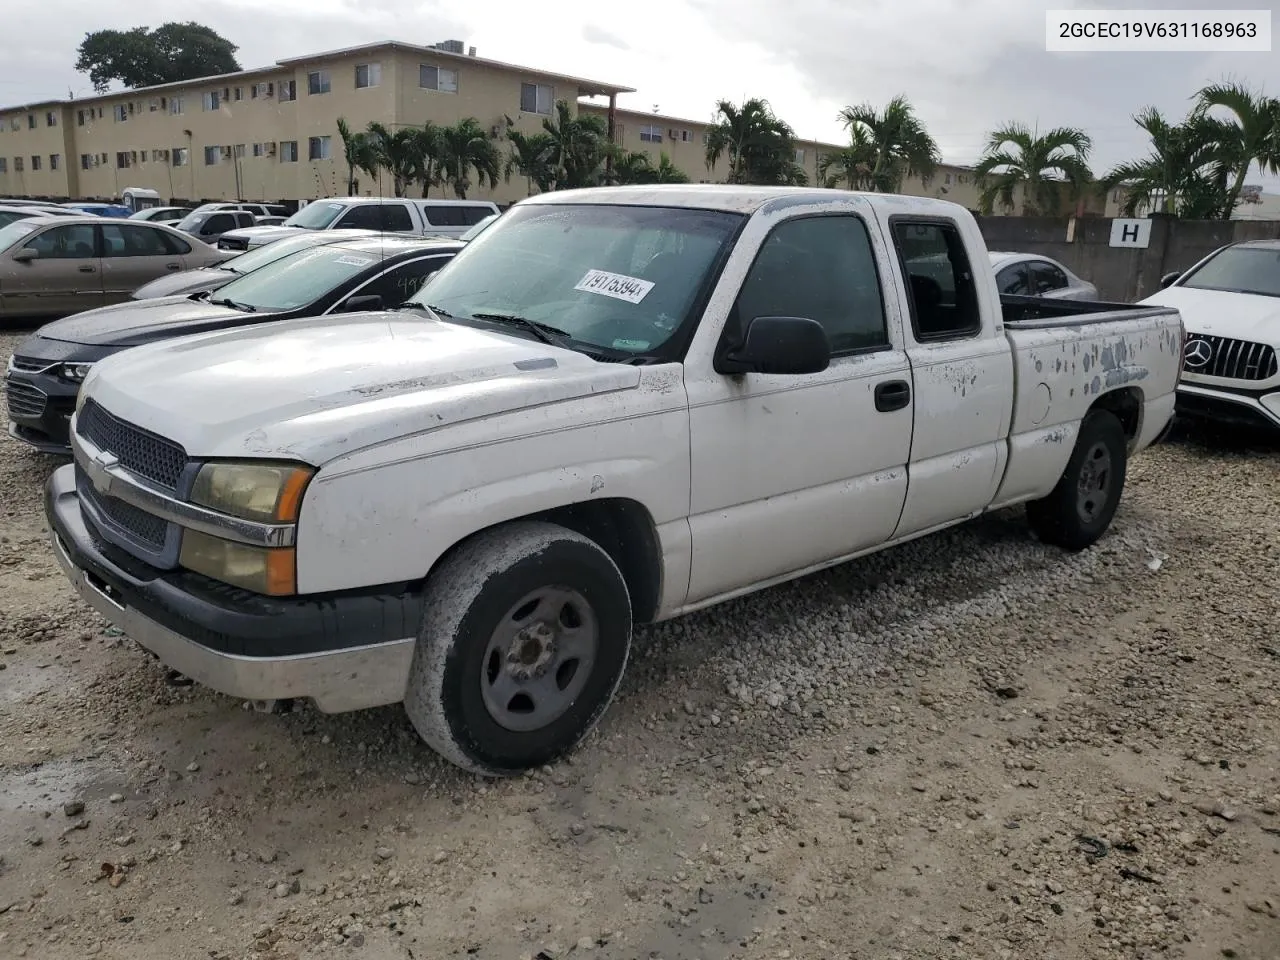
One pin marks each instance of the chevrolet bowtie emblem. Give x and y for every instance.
(100, 476)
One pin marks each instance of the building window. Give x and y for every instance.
(288, 151)
(258, 149)
(800, 155)
(50, 119)
(650, 134)
(536, 98)
(368, 75)
(947, 179)
(17, 164)
(238, 150)
(86, 161)
(262, 90)
(4, 165)
(211, 100)
(31, 121)
(79, 118)
(35, 161)
(177, 105)
(212, 155)
(318, 148)
(288, 90)
(55, 161)
(440, 79)
(685, 136)
(181, 156)
(122, 160)
(237, 94)
(120, 112)
(317, 82)
(14, 123)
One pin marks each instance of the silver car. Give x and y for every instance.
(1031, 275)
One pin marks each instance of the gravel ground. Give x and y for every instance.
(967, 747)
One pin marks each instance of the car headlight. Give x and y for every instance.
(260, 492)
(75, 372)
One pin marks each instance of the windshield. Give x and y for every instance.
(297, 279)
(268, 253)
(1240, 270)
(11, 235)
(9, 216)
(193, 220)
(479, 228)
(619, 278)
(315, 216)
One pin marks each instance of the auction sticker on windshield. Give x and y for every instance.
(355, 261)
(616, 285)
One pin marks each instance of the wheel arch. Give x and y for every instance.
(1126, 403)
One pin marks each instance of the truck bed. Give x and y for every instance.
(1027, 313)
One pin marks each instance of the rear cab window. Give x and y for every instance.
(942, 290)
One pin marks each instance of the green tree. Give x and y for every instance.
(142, 57)
(633, 167)
(668, 172)
(1187, 172)
(759, 146)
(358, 152)
(465, 147)
(896, 141)
(852, 166)
(1041, 165)
(1251, 135)
(531, 157)
(579, 147)
(399, 152)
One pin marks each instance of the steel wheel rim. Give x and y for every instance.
(539, 658)
(1094, 485)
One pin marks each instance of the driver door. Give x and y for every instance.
(790, 472)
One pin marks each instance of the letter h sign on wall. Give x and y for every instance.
(1131, 233)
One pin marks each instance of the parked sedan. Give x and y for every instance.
(204, 279)
(161, 214)
(9, 214)
(209, 225)
(62, 265)
(1031, 275)
(47, 368)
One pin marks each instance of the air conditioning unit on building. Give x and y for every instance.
(270, 149)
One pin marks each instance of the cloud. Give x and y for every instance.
(593, 34)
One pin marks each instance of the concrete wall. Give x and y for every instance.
(1121, 274)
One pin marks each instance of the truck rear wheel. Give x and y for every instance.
(523, 643)
(1080, 508)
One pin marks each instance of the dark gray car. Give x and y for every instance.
(211, 278)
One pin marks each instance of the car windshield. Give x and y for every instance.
(479, 228)
(315, 216)
(1239, 270)
(619, 278)
(192, 220)
(296, 280)
(9, 216)
(268, 253)
(13, 234)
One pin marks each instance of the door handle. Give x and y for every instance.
(88, 269)
(893, 395)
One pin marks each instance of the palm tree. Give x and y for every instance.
(897, 141)
(579, 147)
(1251, 136)
(531, 157)
(631, 167)
(359, 154)
(465, 147)
(398, 152)
(1185, 175)
(1015, 157)
(852, 166)
(668, 172)
(425, 151)
(759, 146)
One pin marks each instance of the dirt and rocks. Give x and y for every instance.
(967, 747)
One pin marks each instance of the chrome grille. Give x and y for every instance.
(139, 451)
(1232, 359)
(149, 529)
(24, 400)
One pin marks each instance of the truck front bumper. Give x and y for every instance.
(1259, 410)
(345, 652)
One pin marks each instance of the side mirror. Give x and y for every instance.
(785, 345)
(356, 304)
(1169, 279)
(26, 255)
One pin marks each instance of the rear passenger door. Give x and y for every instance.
(963, 373)
(132, 255)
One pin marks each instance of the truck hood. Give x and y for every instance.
(314, 389)
(142, 321)
(264, 234)
(1220, 313)
(186, 282)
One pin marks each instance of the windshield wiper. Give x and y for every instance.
(243, 307)
(543, 331)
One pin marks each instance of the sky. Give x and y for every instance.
(969, 66)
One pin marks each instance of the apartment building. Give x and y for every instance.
(269, 133)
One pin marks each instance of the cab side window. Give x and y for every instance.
(821, 268)
(70, 242)
(941, 287)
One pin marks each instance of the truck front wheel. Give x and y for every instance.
(1080, 508)
(523, 643)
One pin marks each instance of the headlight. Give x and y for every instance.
(261, 492)
(75, 372)
(264, 492)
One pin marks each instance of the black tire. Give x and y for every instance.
(474, 598)
(1063, 518)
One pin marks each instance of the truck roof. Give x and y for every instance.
(727, 197)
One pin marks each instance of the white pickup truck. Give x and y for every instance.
(613, 407)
